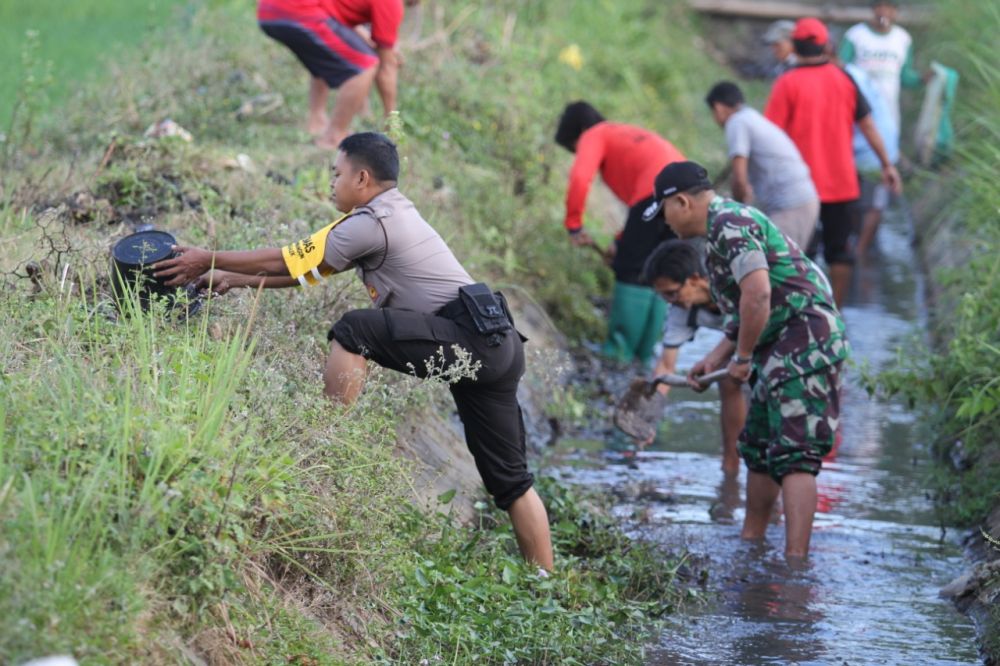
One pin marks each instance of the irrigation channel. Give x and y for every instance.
(869, 594)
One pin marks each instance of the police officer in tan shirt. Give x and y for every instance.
(425, 306)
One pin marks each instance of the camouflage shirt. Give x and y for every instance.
(804, 331)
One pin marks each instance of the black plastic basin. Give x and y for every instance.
(131, 266)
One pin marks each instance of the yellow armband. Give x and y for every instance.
(304, 258)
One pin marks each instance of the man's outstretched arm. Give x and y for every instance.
(666, 365)
(890, 176)
(192, 262)
(220, 282)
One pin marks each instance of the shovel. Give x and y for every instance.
(640, 409)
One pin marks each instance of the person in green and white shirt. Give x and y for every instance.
(884, 51)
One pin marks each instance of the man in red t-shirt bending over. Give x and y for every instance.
(817, 104)
(321, 34)
(628, 159)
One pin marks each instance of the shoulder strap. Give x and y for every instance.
(692, 320)
(385, 234)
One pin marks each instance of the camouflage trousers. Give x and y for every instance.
(791, 426)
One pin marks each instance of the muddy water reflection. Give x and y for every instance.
(869, 592)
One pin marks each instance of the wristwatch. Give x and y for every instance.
(741, 360)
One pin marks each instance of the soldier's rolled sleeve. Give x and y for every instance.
(747, 262)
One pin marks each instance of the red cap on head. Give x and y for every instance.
(811, 29)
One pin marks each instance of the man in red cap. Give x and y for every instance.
(818, 104)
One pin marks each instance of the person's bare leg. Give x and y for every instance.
(762, 491)
(728, 500)
(350, 99)
(732, 416)
(318, 94)
(869, 226)
(840, 281)
(531, 527)
(344, 375)
(798, 493)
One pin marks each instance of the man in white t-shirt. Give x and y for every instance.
(884, 51)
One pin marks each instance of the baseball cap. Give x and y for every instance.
(675, 178)
(779, 31)
(811, 30)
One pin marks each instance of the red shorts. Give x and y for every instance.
(329, 49)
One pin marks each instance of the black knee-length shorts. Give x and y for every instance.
(417, 343)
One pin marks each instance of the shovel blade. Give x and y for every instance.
(639, 411)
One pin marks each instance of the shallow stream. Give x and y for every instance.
(869, 594)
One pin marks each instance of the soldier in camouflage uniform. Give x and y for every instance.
(783, 333)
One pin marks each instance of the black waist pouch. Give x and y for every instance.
(486, 310)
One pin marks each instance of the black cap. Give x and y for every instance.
(675, 178)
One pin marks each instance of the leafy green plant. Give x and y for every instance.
(957, 383)
(36, 77)
(466, 596)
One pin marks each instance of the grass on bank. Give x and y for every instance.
(155, 501)
(958, 383)
(169, 489)
(592, 611)
(58, 46)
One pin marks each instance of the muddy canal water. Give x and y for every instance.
(869, 594)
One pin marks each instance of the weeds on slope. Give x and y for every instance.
(467, 597)
(258, 525)
(958, 384)
(142, 480)
(154, 498)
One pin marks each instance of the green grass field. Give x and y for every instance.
(74, 41)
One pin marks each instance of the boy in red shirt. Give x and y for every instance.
(321, 35)
(818, 104)
(628, 159)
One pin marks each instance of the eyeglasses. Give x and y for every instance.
(671, 294)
